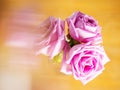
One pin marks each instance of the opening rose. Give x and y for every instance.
(85, 62)
(84, 28)
(50, 40)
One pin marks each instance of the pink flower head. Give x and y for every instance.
(84, 28)
(20, 25)
(51, 37)
(85, 62)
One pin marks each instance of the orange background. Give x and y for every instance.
(46, 75)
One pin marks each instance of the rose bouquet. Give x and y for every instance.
(83, 55)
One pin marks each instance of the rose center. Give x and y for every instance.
(90, 22)
(87, 68)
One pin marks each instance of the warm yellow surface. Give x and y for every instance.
(107, 12)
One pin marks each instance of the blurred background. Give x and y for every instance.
(21, 70)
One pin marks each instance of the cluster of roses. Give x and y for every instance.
(83, 55)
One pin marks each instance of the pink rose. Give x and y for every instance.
(20, 25)
(85, 62)
(84, 28)
(51, 40)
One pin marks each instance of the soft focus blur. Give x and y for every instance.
(21, 69)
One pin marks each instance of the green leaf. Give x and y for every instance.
(58, 58)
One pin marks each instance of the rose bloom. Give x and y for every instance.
(84, 28)
(50, 38)
(20, 25)
(85, 62)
